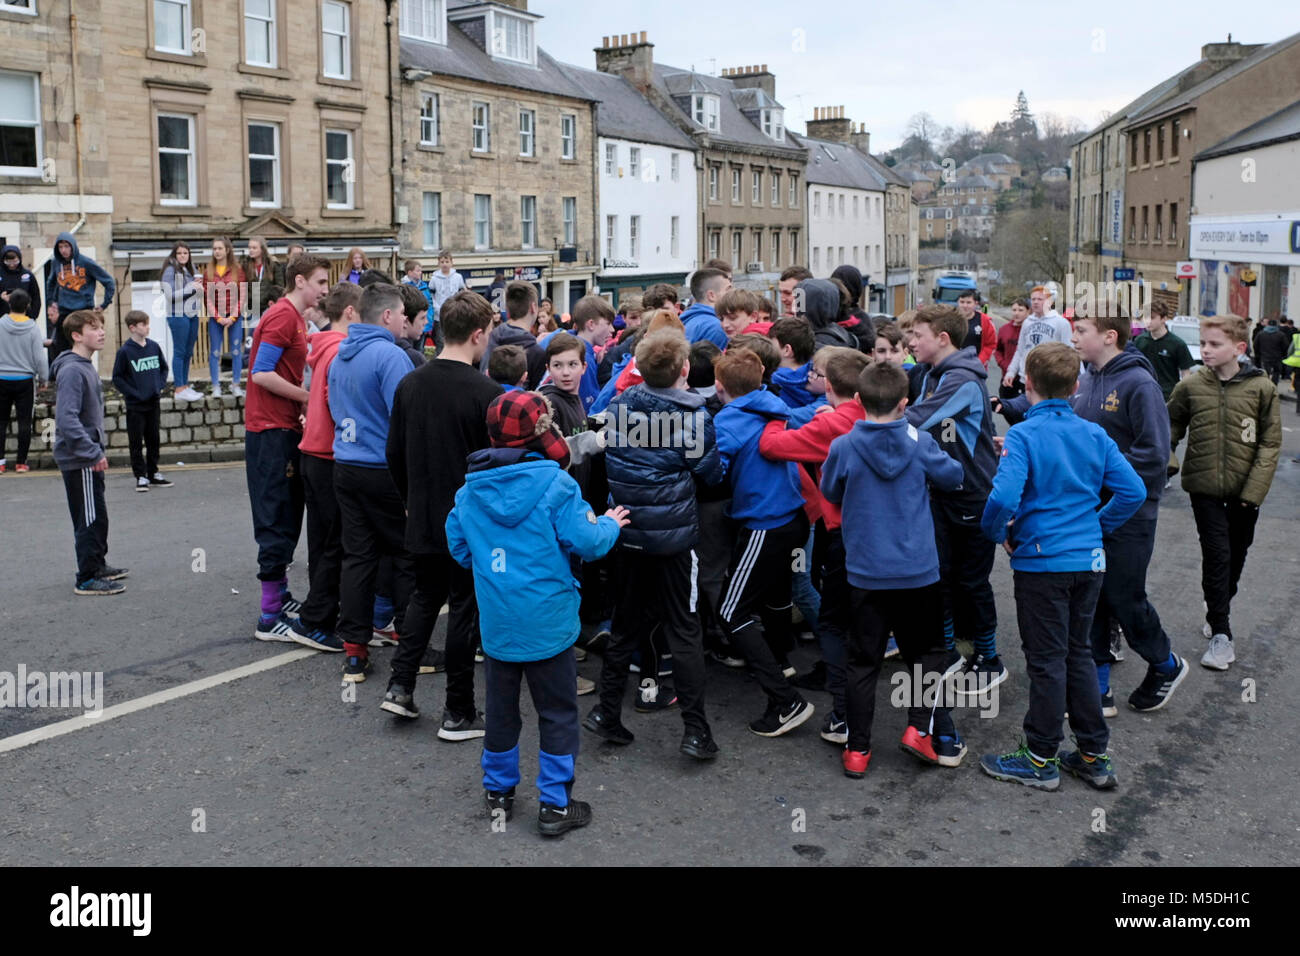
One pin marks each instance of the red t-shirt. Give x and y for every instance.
(284, 327)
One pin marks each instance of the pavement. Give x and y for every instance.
(278, 767)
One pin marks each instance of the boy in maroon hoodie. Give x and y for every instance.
(809, 446)
(319, 613)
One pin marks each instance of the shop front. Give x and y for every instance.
(1246, 266)
(614, 286)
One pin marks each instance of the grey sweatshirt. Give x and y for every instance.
(79, 439)
(22, 349)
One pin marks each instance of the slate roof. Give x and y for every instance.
(835, 164)
(622, 112)
(734, 127)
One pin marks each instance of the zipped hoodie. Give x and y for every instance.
(954, 408)
(20, 278)
(516, 521)
(701, 322)
(881, 469)
(1054, 467)
(794, 385)
(79, 439)
(318, 433)
(362, 380)
(764, 494)
(22, 349)
(70, 283)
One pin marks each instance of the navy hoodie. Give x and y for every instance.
(70, 283)
(764, 494)
(881, 468)
(139, 372)
(363, 378)
(20, 278)
(954, 408)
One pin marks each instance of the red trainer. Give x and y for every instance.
(919, 745)
(855, 763)
(21, 468)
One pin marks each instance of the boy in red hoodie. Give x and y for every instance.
(809, 446)
(319, 613)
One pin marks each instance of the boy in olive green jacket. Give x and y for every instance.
(1230, 412)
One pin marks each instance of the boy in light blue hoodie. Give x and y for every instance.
(1043, 508)
(516, 521)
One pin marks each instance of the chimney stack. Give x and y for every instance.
(629, 55)
(861, 139)
(828, 123)
(751, 77)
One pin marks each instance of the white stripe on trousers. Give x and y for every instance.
(695, 579)
(88, 493)
(741, 577)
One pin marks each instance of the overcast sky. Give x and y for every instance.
(962, 62)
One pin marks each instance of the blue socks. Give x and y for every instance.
(986, 646)
(1103, 678)
(1169, 666)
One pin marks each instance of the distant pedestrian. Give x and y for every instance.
(139, 374)
(70, 280)
(182, 289)
(22, 363)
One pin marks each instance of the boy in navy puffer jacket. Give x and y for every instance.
(517, 519)
(659, 440)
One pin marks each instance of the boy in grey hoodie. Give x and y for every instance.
(79, 444)
(22, 362)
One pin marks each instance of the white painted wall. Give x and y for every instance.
(1255, 180)
(827, 229)
(656, 198)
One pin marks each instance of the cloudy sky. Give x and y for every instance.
(959, 62)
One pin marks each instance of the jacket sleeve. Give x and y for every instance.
(950, 400)
(1149, 453)
(728, 445)
(833, 476)
(1008, 487)
(577, 528)
(104, 278)
(988, 339)
(395, 450)
(457, 545)
(1126, 488)
(1014, 409)
(40, 356)
(1180, 413)
(717, 336)
(944, 471)
(708, 466)
(34, 290)
(71, 397)
(52, 281)
(1268, 428)
(809, 444)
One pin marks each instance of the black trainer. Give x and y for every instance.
(400, 701)
(699, 746)
(500, 800)
(434, 661)
(113, 574)
(98, 587)
(782, 718)
(1156, 688)
(553, 820)
(159, 480)
(652, 696)
(611, 730)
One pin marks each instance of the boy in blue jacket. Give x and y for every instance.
(881, 467)
(1043, 507)
(516, 521)
(767, 505)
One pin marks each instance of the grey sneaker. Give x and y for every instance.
(1220, 653)
(461, 728)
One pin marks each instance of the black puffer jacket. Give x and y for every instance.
(657, 441)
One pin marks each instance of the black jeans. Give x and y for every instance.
(324, 544)
(440, 580)
(271, 463)
(372, 520)
(1054, 610)
(1226, 527)
(756, 602)
(19, 394)
(833, 621)
(553, 684)
(965, 563)
(1124, 595)
(657, 591)
(915, 615)
(85, 490)
(142, 435)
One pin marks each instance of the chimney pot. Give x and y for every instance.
(643, 40)
(604, 42)
(764, 68)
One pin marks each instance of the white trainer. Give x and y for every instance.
(1220, 653)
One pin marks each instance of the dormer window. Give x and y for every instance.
(704, 107)
(424, 20)
(774, 125)
(512, 38)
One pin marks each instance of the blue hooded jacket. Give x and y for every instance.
(702, 324)
(881, 468)
(516, 521)
(70, 284)
(764, 494)
(794, 385)
(363, 379)
(954, 408)
(1054, 466)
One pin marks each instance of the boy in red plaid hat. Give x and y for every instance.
(516, 521)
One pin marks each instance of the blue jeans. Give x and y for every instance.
(185, 332)
(216, 336)
(805, 596)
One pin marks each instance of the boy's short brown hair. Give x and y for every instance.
(796, 333)
(464, 314)
(507, 364)
(133, 318)
(410, 264)
(905, 320)
(739, 371)
(1160, 309)
(761, 346)
(629, 306)
(660, 358)
(1117, 323)
(842, 366)
(520, 297)
(890, 332)
(943, 318)
(591, 308)
(663, 320)
(303, 265)
(1233, 326)
(657, 296)
(77, 321)
(738, 300)
(767, 306)
(881, 386)
(413, 301)
(798, 273)
(337, 300)
(562, 342)
(1053, 370)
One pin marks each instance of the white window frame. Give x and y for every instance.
(483, 239)
(794, 245)
(674, 235)
(481, 133)
(776, 188)
(776, 250)
(568, 136)
(675, 166)
(187, 27)
(344, 40)
(715, 243)
(735, 184)
(756, 244)
(528, 222)
(193, 166)
(430, 119)
(28, 8)
(757, 192)
(611, 237)
(570, 212)
(276, 165)
(267, 23)
(431, 219)
(432, 17)
(500, 38)
(634, 162)
(349, 181)
(737, 245)
(35, 124)
(528, 133)
(774, 125)
(817, 203)
(633, 236)
(705, 109)
(714, 175)
(794, 191)
(611, 159)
